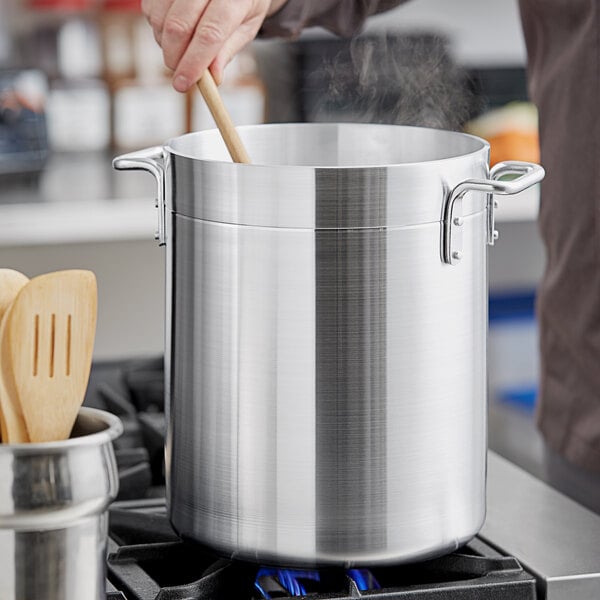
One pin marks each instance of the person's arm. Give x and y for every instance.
(343, 17)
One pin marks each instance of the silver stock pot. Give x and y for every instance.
(326, 338)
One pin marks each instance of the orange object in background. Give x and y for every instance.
(512, 132)
(514, 145)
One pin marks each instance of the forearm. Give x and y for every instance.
(343, 17)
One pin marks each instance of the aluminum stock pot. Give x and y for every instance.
(326, 338)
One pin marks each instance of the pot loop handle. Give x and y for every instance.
(452, 220)
(152, 161)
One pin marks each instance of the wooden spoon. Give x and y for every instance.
(210, 93)
(11, 283)
(47, 338)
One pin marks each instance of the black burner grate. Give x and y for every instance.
(148, 562)
(134, 391)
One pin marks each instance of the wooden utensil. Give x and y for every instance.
(210, 93)
(11, 283)
(47, 339)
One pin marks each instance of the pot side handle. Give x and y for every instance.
(152, 161)
(528, 175)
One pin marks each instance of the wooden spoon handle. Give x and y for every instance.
(210, 93)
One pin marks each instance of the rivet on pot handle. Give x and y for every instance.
(151, 160)
(530, 174)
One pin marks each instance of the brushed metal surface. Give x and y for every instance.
(324, 175)
(552, 536)
(53, 521)
(327, 391)
(326, 371)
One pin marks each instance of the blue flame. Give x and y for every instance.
(291, 580)
(364, 579)
(288, 578)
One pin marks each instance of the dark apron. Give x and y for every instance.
(564, 74)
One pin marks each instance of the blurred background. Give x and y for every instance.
(83, 80)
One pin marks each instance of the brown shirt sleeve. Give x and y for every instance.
(343, 17)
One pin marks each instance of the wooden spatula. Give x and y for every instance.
(11, 283)
(47, 342)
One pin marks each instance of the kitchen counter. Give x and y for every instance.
(552, 536)
(80, 198)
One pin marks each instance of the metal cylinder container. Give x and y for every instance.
(53, 519)
(326, 338)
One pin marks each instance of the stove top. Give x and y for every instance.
(147, 561)
(134, 391)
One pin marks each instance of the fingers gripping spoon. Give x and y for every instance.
(11, 283)
(47, 340)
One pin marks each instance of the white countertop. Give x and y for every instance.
(87, 221)
(79, 198)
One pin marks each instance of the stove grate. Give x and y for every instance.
(166, 568)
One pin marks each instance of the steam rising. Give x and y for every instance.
(408, 80)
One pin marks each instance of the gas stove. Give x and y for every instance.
(519, 555)
(148, 562)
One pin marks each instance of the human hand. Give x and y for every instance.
(197, 34)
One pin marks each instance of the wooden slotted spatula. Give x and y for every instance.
(11, 283)
(47, 342)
